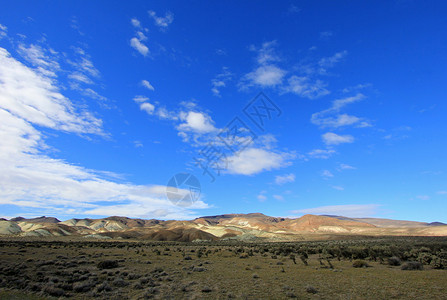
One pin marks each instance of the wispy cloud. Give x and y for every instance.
(342, 167)
(135, 23)
(352, 210)
(331, 138)
(331, 61)
(305, 87)
(262, 197)
(331, 117)
(43, 59)
(147, 85)
(337, 187)
(326, 174)
(325, 35)
(3, 31)
(267, 73)
(283, 179)
(321, 153)
(220, 81)
(162, 22)
(278, 197)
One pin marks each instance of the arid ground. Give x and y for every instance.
(361, 268)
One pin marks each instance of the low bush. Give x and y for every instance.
(360, 264)
(311, 290)
(107, 264)
(394, 261)
(412, 265)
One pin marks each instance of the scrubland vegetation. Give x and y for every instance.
(374, 268)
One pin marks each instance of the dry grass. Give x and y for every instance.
(160, 271)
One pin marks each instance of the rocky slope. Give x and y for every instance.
(244, 227)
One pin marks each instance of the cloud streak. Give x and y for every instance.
(352, 210)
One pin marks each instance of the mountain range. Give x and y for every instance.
(241, 227)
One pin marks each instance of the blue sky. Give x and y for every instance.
(102, 102)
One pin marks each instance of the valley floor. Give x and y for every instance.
(144, 270)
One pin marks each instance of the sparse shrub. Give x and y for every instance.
(53, 291)
(360, 264)
(107, 264)
(311, 290)
(82, 287)
(304, 259)
(412, 265)
(119, 282)
(187, 258)
(255, 276)
(394, 261)
(103, 287)
(206, 289)
(244, 255)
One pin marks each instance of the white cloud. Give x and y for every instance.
(135, 23)
(165, 114)
(267, 73)
(147, 107)
(327, 174)
(265, 76)
(139, 46)
(261, 198)
(196, 122)
(286, 178)
(335, 122)
(254, 160)
(321, 153)
(337, 187)
(32, 179)
(39, 101)
(140, 99)
(331, 117)
(162, 22)
(324, 35)
(331, 138)
(80, 78)
(342, 167)
(329, 62)
(352, 210)
(83, 74)
(442, 193)
(147, 85)
(304, 87)
(356, 87)
(138, 144)
(278, 197)
(267, 53)
(423, 197)
(220, 81)
(340, 103)
(3, 31)
(39, 58)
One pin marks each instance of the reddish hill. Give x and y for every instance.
(313, 223)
